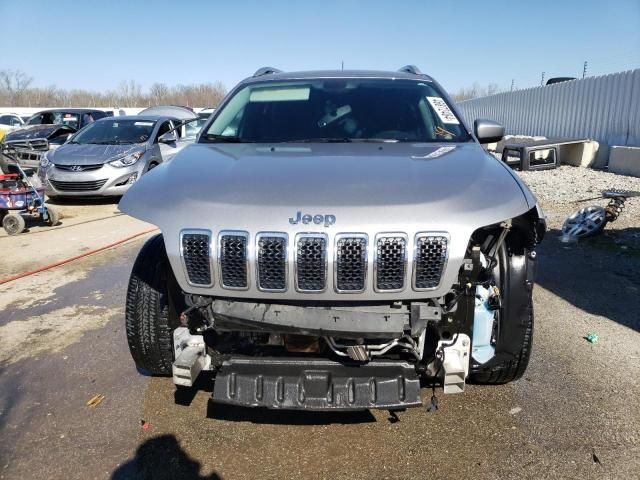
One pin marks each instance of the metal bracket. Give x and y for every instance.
(456, 363)
(191, 357)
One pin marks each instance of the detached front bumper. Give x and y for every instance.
(316, 384)
(104, 181)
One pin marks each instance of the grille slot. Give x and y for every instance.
(78, 186)
(351, 263)
(311, 263)
(390, 263)
(196, 257)
(272, 262)
(430, 259)
(233, 260)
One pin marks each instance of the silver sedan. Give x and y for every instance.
(106, 157)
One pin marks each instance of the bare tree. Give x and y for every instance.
(476, 91)
(14, 82)
(15, 91)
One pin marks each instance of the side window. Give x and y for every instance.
(164, 128)
(5, 120)
(15, 121)
(177, 130)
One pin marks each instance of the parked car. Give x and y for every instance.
(332, 239)
(108, 156)
(46, 130)
(10, 122)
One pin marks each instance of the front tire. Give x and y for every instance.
(149, 314)
(515, 321)
(13, 223)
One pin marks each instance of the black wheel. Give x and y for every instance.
(515, 320)
(13, 223)
(54, 216)
(149, 312)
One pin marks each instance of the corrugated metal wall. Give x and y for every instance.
(606, 109)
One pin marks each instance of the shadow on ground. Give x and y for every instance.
(161, 458)
(598, 275)
(286, 417)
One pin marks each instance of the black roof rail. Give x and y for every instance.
(410, 69)
(266, 71)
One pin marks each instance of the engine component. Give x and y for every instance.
(455, 363)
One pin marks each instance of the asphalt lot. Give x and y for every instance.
(575, 414)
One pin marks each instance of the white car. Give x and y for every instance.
(10, 122)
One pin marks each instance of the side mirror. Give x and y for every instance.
(169, 137)
(488, 131)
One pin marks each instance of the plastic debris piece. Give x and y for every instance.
(515, 410)
(95, 400)
(591, 337)
(144, 424)
(433, 405)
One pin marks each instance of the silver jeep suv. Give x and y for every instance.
(333, 239)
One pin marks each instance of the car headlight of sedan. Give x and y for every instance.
(127, 160)
(44, 160)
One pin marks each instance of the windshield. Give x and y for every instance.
(55, 118)
(115, 132)
(328, 110)
(193, 127)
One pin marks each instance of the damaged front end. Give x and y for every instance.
(358, 355)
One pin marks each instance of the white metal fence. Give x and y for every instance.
(606, 109)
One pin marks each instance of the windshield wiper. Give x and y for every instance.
(224, 138)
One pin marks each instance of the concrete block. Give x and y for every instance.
(625, 161)
(581, 154)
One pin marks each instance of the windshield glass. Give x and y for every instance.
(56, 118)
(116, 132)
(337, 110)
(193, 127)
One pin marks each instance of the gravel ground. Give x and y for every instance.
(561, 190)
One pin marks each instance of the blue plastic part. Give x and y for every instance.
(483, 318)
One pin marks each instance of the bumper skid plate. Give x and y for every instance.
(316, 384)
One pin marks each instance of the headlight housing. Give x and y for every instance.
(127, 160)
(44, 160)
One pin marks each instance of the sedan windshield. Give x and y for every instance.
(337, 110)
(115, 132)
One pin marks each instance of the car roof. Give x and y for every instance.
(70, 110)
(315, 74)
(141, 118)
(173, 111)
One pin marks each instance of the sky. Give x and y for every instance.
(95, 45)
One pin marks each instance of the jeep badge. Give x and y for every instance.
(306, 219)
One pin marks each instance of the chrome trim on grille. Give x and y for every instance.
(336, 265)
(419, 235)
(195, 231)
(378, 237)
(304, 235)
(256, 257)
(234, 233)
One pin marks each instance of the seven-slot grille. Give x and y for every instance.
(311, 261)
(197, 260)
(272, 262)
(391, 255)
(431, 256)
(351, 263)
(233, 260)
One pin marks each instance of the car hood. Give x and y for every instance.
(38, 131)
(90, 154)
(256, 186)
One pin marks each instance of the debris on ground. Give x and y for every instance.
(515, 410)
(144, 424)
(591, 337)
(95, 400)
